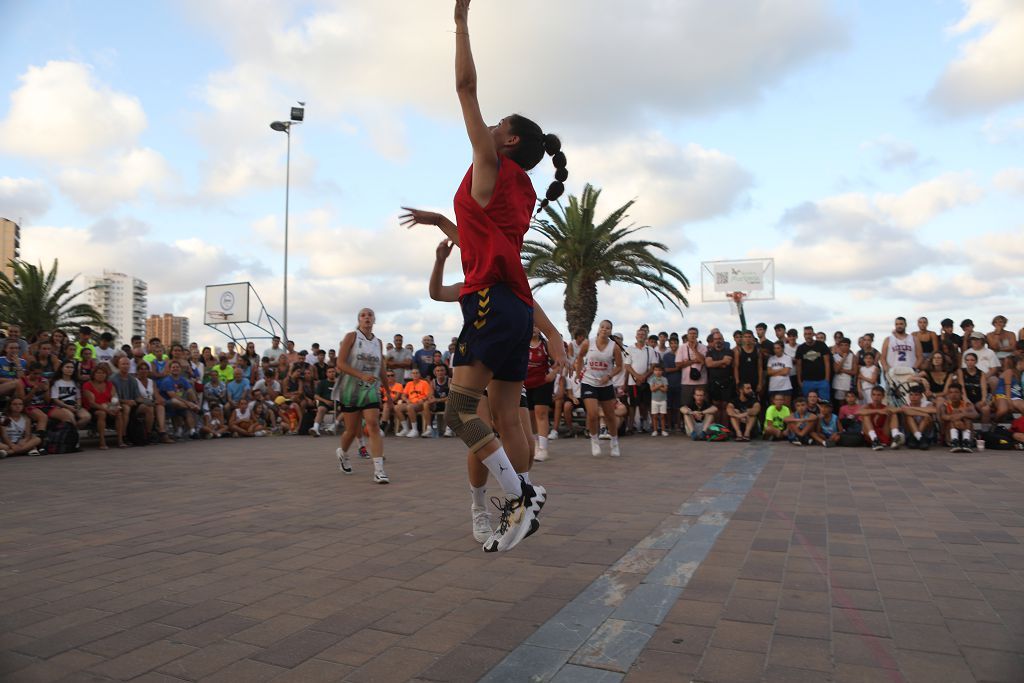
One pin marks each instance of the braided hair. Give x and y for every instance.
(533, 145)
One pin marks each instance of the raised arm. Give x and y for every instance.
(485, 155)
(438, 290)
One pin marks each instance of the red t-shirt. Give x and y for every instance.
(1017, 426)
(538, 366)
(491, 237)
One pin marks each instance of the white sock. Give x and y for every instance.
(895, 433)
(873, 435)
(501, 467)
(405, 423)
(953, 435)
(615, 440)
(479, 499)
(526, 477)
(918, 435)
(347, 451)
(594, 439)
(966, 434)
(378, 465)
(316, 425)
(542, 443)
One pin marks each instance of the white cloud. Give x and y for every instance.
(989, 72)
(22, 199)
(61, 113)
(1010, 180)
(894, 154)
(924, 201)
(118, 179)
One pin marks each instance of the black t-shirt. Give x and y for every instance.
(723, 374)
(744, 404)
(748, 365)
(692, 405)
(767, 350)
(814, 357)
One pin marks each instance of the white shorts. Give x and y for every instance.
(659, 407)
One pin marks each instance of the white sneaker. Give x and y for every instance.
(655, 433)
(542, 455)
(595, 449)
(403, 431)
(427, 434)
(449, 433)
(343, 463)
(482, 529)
(664, 433)
(412, 433)
(314, 430)
(552, 435)
(380, 478)
(261, 433)
(615, 449)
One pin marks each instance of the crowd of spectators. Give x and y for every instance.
(919, 388)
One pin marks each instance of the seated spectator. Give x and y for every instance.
(180, 401)
(150, 395)
(389, 423)
(1000, 340)
(743, 411)
(36, 392)
(936, 375)
(849, 414)
(104, 353)
(975, 384)
(879, 422)
(223, 369)
(698, 415)
(157, 359)
(775, 419)
(324, 403)
(66, 399)
(802, 423)
(85, 367)
(928, 340)
(320, 366)
(100, 398)
(949, 343)
(62, 346)
(17, 433)
(238, 388)
(12, 369)
(132, 409)
(14, 335)
(84, 341)
(1017, 429)
(215, 393)
(214, 425)
(828, 429)
(957, 419)
(45, 357)
(242, 423)
(1008, 397)
(440, 386)
(814, 403)
(414, 404)
(987, 361)
(967, 327)
(779, 369)
(917, 418)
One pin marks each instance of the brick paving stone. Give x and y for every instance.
(272, 630)
(929, 667)
(297, 648)
(314, 671)
(463, 663)
(803, 624)
(726, 666)
(393, 665)
(994, 665)
(145, 658)
(655, 666)
(207, 660)
(803, 653)
(749, 610)
(738, 635)
(245, 670)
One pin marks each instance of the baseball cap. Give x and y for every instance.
(977, 335)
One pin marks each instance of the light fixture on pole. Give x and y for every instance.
(297, 116)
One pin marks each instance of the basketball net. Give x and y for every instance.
(735, 301)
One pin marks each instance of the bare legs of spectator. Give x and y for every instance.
(101, 426)
(12, 386)
(39, 417)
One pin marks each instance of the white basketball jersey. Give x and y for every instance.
(901, 353)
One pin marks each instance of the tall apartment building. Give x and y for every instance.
(10, 244)
(169, 328)
(121, 299)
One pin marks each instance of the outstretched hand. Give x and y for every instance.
(461, 11)
(444, 249)
(559, 361)
(418, 217)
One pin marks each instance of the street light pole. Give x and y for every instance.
(285, 127)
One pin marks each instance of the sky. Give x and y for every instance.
(872, 149)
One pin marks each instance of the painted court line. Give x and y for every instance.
(600, 633)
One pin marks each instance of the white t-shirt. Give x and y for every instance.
(247, 415)
(261, 385)
(16, 428)
(104, 355)
(987, 359)
(840, 380)
(641, 360)
(598, 362)
(780, 382)
(146, 390)
(66, 390)
(791, 352)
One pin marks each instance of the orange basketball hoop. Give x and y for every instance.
(736, 304)
(737, 297)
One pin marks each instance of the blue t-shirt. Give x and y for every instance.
(424, 361)
(668, 360)
(169, 384)
(830, 426)
(9, 368)
(237, 389)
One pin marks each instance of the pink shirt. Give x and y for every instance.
(684, 354)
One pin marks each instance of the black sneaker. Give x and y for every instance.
(876, 445)
(954, 446)
(967, 445)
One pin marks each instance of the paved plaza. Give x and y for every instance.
(256, 560)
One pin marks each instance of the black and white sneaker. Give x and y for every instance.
(518, 516)
(343, 463)
(954, 446)
(967, 445)
(876, 445)
(897, 441)
(380, 478)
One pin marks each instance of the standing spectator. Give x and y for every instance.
(320, 365)
(813, 369)
(844, 371)
(275, 351)
(967, 327)
(766, 345)
(928, 341)
(721, 387)
(789, 347)
(100, 399)
(290, 353)
(424, 358)
(399, 361)
(659, 401)
(84, 341)
(223, 369)
(674, 375)
(640, 360)
(747, 365)
(868, 377)
(778, 370)
(690, 360)
(950, 343)
(899, 359)
(17, 431)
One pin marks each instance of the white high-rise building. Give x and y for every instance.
(121, 300)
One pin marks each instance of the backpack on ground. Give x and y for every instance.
(135, 432)
(998, 439)
(717, 432)
(62, 437)
(851, 439)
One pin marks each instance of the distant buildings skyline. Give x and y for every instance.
(121, 299)
(169, 328)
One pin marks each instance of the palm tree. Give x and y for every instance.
(30, 299)
(578, 254)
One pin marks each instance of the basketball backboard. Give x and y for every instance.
(754, 277)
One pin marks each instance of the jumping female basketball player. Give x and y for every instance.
(357, 392)
(493, 208)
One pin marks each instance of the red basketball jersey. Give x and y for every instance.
(491, 237)
(538, 366)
